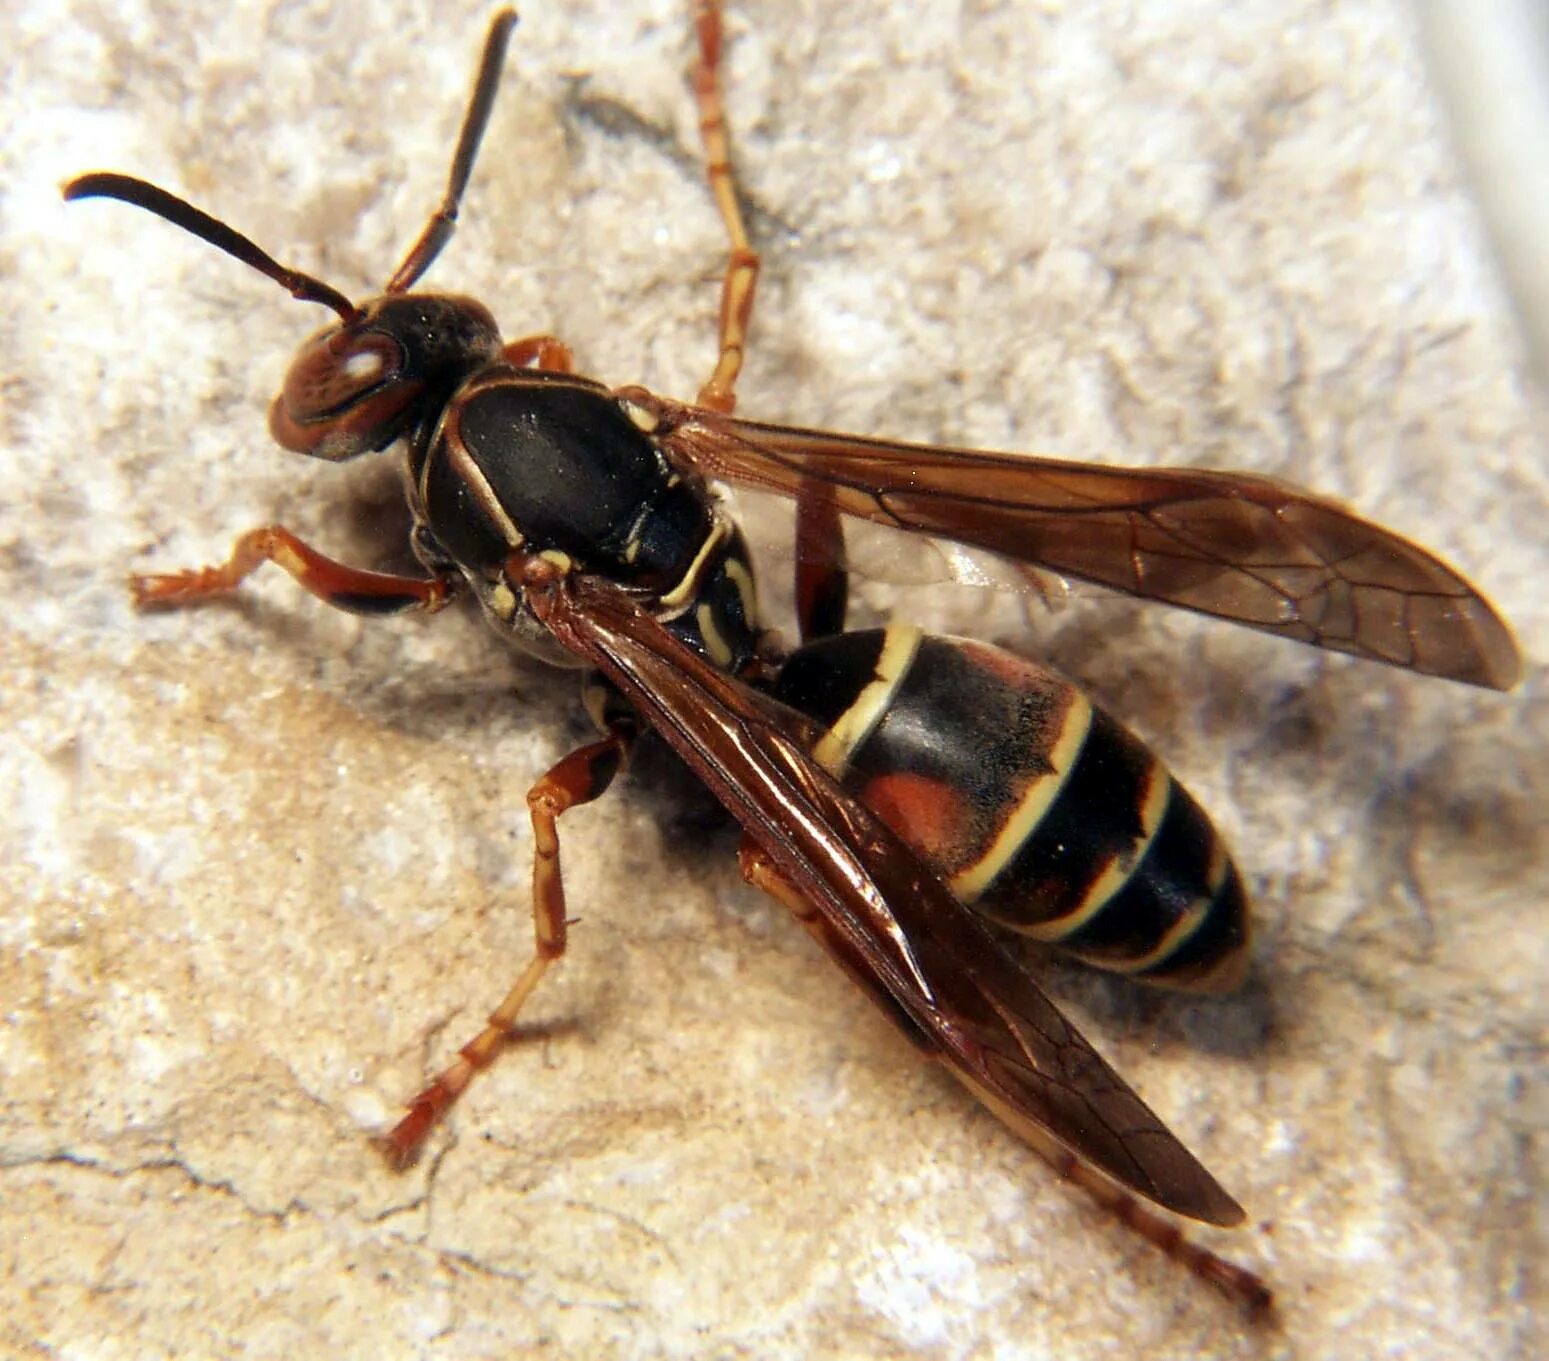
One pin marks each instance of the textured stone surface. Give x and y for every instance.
(265, 865)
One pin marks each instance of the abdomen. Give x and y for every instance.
(1040, 811)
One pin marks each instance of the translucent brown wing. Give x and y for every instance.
(1241, 547)
(953, 985)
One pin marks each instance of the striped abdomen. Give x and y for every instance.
(1039, 810)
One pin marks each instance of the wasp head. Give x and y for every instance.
(358, 385)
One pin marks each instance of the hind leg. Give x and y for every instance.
(582, 776)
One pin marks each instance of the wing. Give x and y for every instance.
(1240, 547)
(963, 996)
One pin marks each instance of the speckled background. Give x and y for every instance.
(266, 864)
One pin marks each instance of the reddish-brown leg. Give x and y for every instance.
(741, 278)
(334, 583)
(540, 352)
(822, 584)
(579, 778)
(758, 870)
(1238, 1282)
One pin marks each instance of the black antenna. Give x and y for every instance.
(443, 222)
(141, 194)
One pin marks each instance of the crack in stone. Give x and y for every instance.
(65, 1158)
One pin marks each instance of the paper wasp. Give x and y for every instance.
(895, 790)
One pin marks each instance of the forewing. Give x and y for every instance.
(972, 1003)
(1244, 548)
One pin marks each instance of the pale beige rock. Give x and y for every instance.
(266, 864)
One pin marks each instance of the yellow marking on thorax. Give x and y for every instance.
(849, 730)
(716, 645)
(502, 600)
(643, 420)
(683, 592)
(969, 884)
(747, 590)
(1118, 870)
(468, 469)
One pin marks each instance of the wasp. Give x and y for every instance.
(903, 794)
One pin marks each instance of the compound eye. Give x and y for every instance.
(336, 369)
(344, 394)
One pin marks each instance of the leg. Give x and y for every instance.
(579, 778)
(762, 874)
(741, 276)
(1236, 1281)
(1247, 1287)
(822, 584)
(540, 352)
(334, 583)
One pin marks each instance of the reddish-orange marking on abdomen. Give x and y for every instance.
(934, 819)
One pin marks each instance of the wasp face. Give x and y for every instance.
(357, 386)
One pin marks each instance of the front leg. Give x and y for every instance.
(334, 583)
